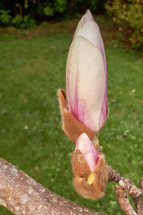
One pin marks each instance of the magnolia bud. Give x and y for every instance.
(84, 105)
(90, 170)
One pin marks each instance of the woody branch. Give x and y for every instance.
(21, 194)
(126, 188)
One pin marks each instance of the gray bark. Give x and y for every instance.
(22, 195)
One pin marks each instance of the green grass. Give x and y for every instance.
(31, 71)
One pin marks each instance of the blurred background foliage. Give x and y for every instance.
(42, 10)
(127, 14)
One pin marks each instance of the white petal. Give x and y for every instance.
(91, 32)
(85, 82)
(87, 17)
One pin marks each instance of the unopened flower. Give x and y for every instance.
(86, 75)
(90, 170)
(84, 105)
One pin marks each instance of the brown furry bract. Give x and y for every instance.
(72, 127)
(81, 173)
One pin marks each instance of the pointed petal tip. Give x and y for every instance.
(88, 12)
(86, 17)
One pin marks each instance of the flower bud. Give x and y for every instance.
(84, 105)
(86, 75)
(89, 168)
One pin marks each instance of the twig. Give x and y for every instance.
(137, 196)
(113, 175)
(122, 193)
(124, 189)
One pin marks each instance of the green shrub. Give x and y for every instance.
(23, 23)
(5, 16)
(24, 14)
(58, 6)
(128, 15)
(69, 8)
(43, 9)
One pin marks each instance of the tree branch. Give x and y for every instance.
(124, 189)
(22, 195)
(137, 196)
(122, 193)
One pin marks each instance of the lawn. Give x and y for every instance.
(31, 71)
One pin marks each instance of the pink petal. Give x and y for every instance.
(86, 75)
(86, 83)
(85, 146)
(89, 29)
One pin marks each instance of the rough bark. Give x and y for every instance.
(124, 189)
(122, 193)
(137, 196)
(22, 195)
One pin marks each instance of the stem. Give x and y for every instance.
(124, 189)
(113, 175)
(137, 196)
(122, 193)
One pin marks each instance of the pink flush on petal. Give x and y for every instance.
(85, 146)
(86, 75)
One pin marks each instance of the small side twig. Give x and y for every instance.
(113, 175)
(122, 193)
(137, 196)
(124, 189)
